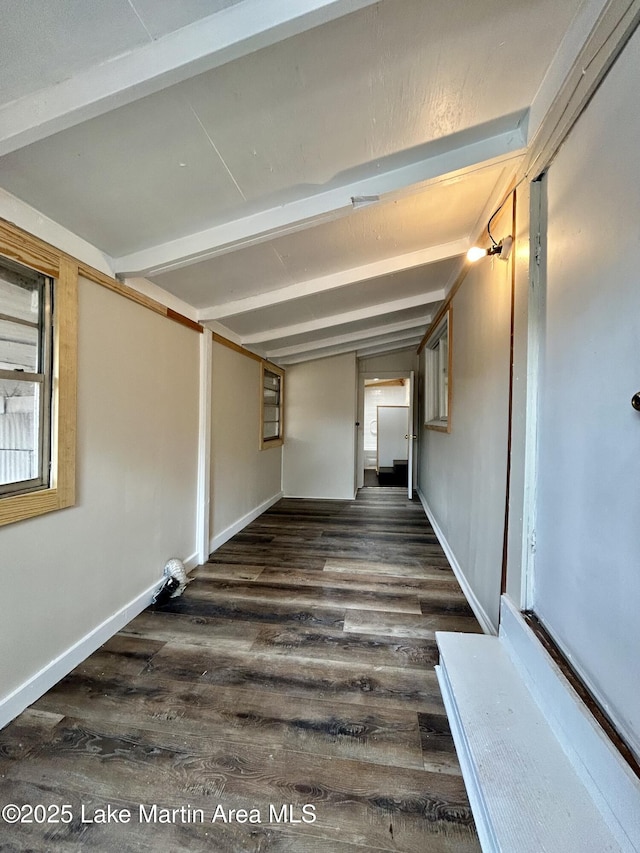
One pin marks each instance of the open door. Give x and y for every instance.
(411, 437)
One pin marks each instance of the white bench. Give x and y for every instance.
(542, 776)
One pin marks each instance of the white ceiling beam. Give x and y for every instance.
(573, 41)
(382, 348)
(392, 342)
(208, 43)
(362, 335)
(443, 159)
(595, 38)
(365, 272)
(378, 310)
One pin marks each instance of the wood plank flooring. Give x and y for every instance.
(295, 671)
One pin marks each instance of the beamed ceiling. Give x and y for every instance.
(213, 148)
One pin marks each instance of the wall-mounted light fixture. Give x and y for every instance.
(501, 249)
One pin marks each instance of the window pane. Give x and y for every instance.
(19, 346)
(272, 430)
(19, 431)
(271, 381)
(271, 413)
(20, 333)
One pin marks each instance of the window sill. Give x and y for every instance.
(439, 426)
(265, 444)
(30, 504)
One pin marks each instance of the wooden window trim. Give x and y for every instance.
(33, 253)
(447, 317)
(266, 443)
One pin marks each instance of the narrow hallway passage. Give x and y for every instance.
(296, 669)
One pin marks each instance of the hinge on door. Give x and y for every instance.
(532, 541)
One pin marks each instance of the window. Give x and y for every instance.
(437, 373)
(25, 379)
(272, 399)
(38, 355)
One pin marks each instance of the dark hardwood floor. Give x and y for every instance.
(293, 679)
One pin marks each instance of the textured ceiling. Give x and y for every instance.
(214, 147)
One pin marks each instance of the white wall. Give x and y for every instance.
(402, 361)
(383, 395)
(320, 415)
(244, 479)
(462, 475)
(66, 572)
(587, 570)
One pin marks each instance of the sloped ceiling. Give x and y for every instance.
(305, 175)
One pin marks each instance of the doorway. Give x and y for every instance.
(386, 436)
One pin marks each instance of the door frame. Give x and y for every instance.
(409, 375)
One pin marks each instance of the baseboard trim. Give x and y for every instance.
(481, 615)
(319, 498)
(220, 538)
(192, 562)
(44, 680)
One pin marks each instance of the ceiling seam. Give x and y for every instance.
(139, 17)
(215, 148)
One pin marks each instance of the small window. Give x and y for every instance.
(25, 379)
(437, 374)
(38, 376)
(272, 400)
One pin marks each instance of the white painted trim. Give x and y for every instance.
(383, 344)
(572, 43)
(377, 310)
(148, 288)
(381, 349)
(224, 331)
(20, 213)
(488, 144)
(526, 793)
(536, 322)
(361, 335)
(51, 673)
(229, 532)
(484, 826)
(192, 562)
(609, 780)
(479, 611)
(322, 284)
(317, 498)
(203, 501)
(564, 100)
(205, 44)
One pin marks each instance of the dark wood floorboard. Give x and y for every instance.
(296, 669)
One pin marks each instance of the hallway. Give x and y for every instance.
(296, 669)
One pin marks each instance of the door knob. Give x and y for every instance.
(635, 401)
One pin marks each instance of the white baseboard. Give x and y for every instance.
(480, 613)
(38, 684)
(192, 562)
(220, 538)
(602, 770)
(319, 497)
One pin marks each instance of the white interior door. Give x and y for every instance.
(393, 425)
